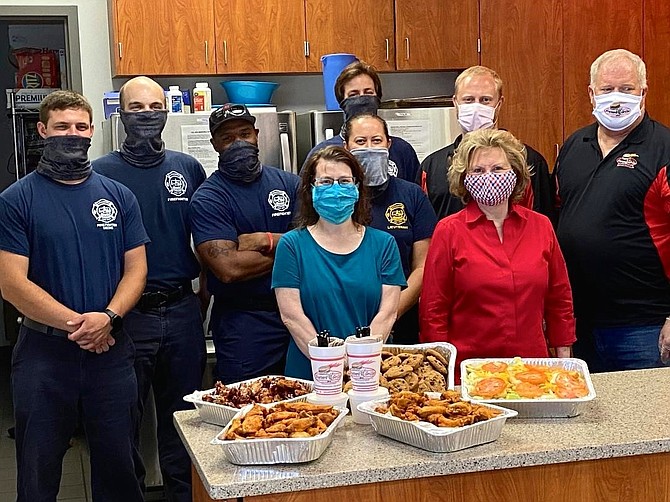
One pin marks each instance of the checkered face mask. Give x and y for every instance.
(490, 189)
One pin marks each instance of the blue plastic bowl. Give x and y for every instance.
(249, 91)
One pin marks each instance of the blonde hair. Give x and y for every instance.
(620, 54)
(514, 151)
(475, 71)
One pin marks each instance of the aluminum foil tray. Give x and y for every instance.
(219, 414)
(444, 348)
(432, 438)
(277, 450)
(538, 408)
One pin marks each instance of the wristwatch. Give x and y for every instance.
(116, 319)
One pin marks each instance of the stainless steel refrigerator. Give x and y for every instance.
(426, 129)
(189, 133)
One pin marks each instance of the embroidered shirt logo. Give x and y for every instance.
(628, 160)
(395, 214)
(280, 202)
(105, 212)
(393, 169)
(176, 185)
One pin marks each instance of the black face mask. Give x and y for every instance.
(357, 105)
(143, 147)
(240, 162)
(65, 158)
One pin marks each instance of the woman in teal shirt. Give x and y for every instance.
(333, 272)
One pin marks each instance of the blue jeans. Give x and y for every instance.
(55, 384)
(627, 348)
(170, 356)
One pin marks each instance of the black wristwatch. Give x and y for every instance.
(117, 321)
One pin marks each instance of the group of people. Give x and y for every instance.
(98, 258)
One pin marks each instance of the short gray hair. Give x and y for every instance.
(616, 54)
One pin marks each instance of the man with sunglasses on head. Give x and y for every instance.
(237, 216)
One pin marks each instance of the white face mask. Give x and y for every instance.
(475, 116)
(617, 111)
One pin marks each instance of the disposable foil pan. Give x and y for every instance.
(538, 408)
(430, 437)
(444, 348)
(219, 414)
(276, 450)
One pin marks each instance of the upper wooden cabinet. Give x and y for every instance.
(257, 36)
(436, 34)
(360, 27)
(591, 27)
(163, 37)
(526, 49)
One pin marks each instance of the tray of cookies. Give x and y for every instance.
(436, 422)
(424, 367)
(283, 433)
(219, 405)
(534, 387)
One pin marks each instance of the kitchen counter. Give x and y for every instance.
(629, 420)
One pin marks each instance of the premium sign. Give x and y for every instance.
(26, 98)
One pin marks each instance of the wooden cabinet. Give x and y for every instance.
(360, 27)
(657, 58)
(257, 36)
(163, 37)
(526, 50)
(591, 27)
(436, 34)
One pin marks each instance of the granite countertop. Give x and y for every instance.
(630, 416)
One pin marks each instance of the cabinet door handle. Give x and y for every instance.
(120, 50)
(386, 40)
(406, 49)
(225, 52)
(206, 53)
(558, 149)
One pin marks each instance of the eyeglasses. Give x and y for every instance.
(328, 181)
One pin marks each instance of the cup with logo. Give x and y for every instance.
(364, 355)
(327, 372)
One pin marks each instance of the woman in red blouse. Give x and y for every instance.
(495, 282)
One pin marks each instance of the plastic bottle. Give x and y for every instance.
(175, 103)
(202, 97)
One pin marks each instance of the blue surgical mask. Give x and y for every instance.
(240, 162)
(335, 203)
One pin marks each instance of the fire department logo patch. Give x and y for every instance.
(104, 211)
(279, 200)
(175, 183)
(628, 160)
(395, 214)
(393, 169)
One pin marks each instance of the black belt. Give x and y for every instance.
(156, 299)
(43, 328)
(251, 303)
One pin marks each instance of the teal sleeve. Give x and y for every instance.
(392, 273)
(285, 272)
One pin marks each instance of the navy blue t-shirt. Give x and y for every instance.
(222, 209)
(163, 192)
(403, 162)
(75, 236)
(404, 211)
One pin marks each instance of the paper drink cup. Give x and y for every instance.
(365, 358)
(327, 368)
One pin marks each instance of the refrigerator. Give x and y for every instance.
(189, 133)
(427, 129)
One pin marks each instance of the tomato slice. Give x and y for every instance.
(495, 367)
(571, 392)
(490, 387)
(533, 377)
(529, 390)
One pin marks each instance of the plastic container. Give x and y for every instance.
(202, 97)
(249, 92)
(110, 103)
(174, 100)
(332, 65)
(356, 398)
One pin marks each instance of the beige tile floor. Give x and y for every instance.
(75, 484)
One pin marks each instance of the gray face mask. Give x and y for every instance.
(375, 164)
(357, 105)
(143, 147)
(65, 158)
(240, 161)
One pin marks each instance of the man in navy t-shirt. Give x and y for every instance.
(166, 324)
(238, 215)
(72, 261)
(358, 89)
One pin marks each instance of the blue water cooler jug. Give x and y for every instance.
(333, 64)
